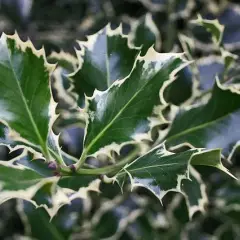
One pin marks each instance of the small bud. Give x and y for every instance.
(73, 168)
(52, 165)
(57, 174)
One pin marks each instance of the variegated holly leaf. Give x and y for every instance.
(229, 58)
(144, 33)
(59, 227)
(184, 80)
(120, 114)
(31, 179)
(212, 125)
(212, 26)
(162, 171)
(35, 163)
(106, 57)
(25, 96)
(194, 192)
(61, 84)
(64, 60)
(17, 181)
(79, 181)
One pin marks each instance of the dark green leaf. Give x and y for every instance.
(161, 171)
(20, 182)
(34, 216)
(213, 125)
(121, 113)
(24, 93)
(81, 181)
(195, 193)
(212, 26)
(184, 82)
(103, 59)
(64, 60)
(38, 165)
(145, 34)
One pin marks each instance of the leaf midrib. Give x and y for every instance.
(113, 120)
(153, 166)
(38, 135)
(51, 227)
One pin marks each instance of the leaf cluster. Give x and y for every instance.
(106, 139)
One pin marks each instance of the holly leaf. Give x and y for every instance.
(25, 94)
(162, 171)
(212, 26)
(55, 228)
(194, 192)
(106, 57)
(120, 114)
(33, 181)
(145, 34)
(212, 125)
(64, 60)
(21, 182)
(61, 84)
(28, 160)
(183, 81)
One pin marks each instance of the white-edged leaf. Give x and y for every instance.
(211, 125)
(27, 107)
(106, 57)
(162, 171)
(121, 114)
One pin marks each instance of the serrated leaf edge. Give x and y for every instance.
(179, 177)
(50, 68)
(201, 202)
(150, 56)
(150, 24)
(27, 194)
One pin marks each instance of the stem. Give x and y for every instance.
(60, 162)
(82, 159)
(110, 169)
(171, 28)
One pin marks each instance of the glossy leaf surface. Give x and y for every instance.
(161, 171)
(20, 182)
(213, 125)
(195, 193)
(119, 114)
(103, 59)
(144, 34)
(24, 91)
